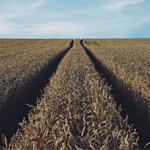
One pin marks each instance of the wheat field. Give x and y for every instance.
(20, 60)
(77, 109)
(25, 66)
(127, 64)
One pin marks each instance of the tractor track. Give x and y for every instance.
(13, 110)
(120, 97)
(47, 73)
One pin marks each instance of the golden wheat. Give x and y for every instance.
(127, 61)
(25, 65)
(76, 111)
(21, 60)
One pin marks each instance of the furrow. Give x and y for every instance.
(124, 64)
(77, 111)
(28, 83)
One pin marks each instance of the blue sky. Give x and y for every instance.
(74, 18)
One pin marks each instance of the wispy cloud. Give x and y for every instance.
(7, 28)
(143, 20)
(119, 4)
(4, 29)
(37, 4)
(7, 16)
(70, 19)
(56, 28)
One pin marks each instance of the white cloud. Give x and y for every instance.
(56, 28)
(20, 9)
(118, 18)
(142, 20)
(121, 3)
(7, 16)
(8, 28)
(35, 5)
(4, 29)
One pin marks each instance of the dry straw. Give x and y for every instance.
(22, 59)
(127, 61)
(76, 111)
(25, 65)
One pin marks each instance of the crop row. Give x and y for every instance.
(25, 66)
(126, 62)
(11, 42)
(76, 111)
(18, 63)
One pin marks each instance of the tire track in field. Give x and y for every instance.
(11, 114)
(121, 96)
